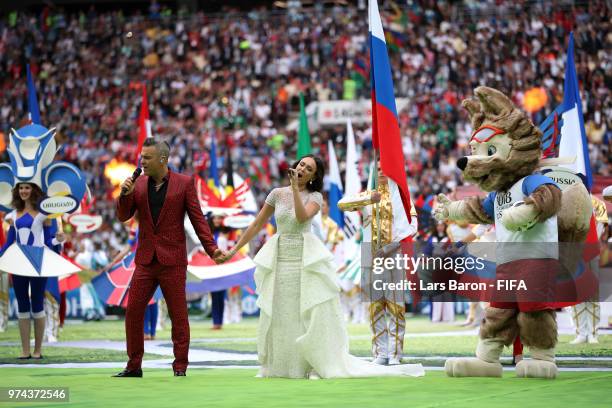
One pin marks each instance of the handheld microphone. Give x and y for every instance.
(135, 175)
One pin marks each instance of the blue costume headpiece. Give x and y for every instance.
(31, 151)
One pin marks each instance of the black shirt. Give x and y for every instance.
(157, 197)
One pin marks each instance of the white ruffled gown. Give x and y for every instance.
(301, 327)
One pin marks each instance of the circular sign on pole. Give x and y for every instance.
(238, 221)
(58, 205)
(85, 222)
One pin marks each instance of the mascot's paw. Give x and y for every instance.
(519, 217)
(472, 367)
(536, 369)
(440, 212)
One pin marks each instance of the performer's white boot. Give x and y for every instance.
(395, 360)
(397, 329)
(485, 364)
(586, 317)
(541, 365)
(580, 339)
(387, 338)
(380, 334)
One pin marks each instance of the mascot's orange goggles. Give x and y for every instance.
(486, 133)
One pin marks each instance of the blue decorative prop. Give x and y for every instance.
(7, 181)
(31, 151)
(61, 178)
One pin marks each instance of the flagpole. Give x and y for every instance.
(377, 216)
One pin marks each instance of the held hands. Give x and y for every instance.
(223, 256)
(219, 256)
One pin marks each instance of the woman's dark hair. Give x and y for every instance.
(316, 184)
(36, 195)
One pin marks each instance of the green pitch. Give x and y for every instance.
(223, 387)
(115, 329)
(239, 388)
(56, 355)
(242, 338)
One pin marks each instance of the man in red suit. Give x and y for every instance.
(161, 199)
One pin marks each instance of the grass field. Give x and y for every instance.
(242, 338)
(434, 346)
(55, 355)
(239, 388)
(114, 330)
(224, 387)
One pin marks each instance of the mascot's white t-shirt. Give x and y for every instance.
(540, 241)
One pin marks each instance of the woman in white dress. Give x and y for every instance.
(301, 331)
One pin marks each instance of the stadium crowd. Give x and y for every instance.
(237, 76)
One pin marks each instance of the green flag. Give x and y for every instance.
(349, 90)
(304, 146)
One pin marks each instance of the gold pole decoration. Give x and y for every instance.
(377, 218)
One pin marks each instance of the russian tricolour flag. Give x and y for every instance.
(573, 136)
(385, 125)
(565, 128)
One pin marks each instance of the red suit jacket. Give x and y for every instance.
(167, 237)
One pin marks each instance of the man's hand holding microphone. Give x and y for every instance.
(127, 187)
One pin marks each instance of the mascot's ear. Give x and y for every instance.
(472, 105)
(64, 178)
(7, 182)
(493, 101)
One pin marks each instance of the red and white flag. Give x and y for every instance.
(144, 123)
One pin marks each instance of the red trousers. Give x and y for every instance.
(171, 279)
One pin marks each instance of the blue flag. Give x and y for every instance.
(213, 172)
(33, 111)
(335, 187)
